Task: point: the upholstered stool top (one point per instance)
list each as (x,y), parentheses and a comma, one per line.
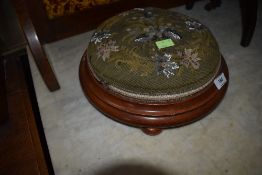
(153,54)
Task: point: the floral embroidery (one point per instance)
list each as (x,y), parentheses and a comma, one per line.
(190,58)
(134,18)
(124,13)
(153,34)
(144,15)
(99,36)
(137,58)
(139,9)
(193,25)
(128,29)
(148,14)
(104,49)
(164,65)
(58,8)
(172,34)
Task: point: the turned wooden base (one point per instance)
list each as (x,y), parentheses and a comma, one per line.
(152,131)
(155,116)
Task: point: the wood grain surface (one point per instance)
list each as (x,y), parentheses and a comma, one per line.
(21,142)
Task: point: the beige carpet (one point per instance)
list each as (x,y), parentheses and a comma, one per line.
(228,141)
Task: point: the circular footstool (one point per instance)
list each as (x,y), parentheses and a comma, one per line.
(153,69)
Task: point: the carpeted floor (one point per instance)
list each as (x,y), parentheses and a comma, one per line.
(228,141)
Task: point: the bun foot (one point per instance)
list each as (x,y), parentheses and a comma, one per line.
(152,131)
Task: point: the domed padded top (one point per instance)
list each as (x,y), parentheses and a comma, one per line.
(153,54)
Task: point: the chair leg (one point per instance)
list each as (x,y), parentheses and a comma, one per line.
(213,4)
(37,50)
(41,59)
(249,18)
(190,4)
(209,6)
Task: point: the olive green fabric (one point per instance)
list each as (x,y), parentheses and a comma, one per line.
(123,54)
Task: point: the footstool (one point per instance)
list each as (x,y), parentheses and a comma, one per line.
(153,69)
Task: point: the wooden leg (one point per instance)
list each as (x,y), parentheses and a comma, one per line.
(152,131)
(190,4)
(41,59)
(213,4)
(249,18)
(37,50)
(209,6)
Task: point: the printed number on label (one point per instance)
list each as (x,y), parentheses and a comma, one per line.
(220,81)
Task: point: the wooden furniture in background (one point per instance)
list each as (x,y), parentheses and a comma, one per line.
(11,36)
(3,101)
(249,18)
(248,14)
(23,149)
(39,29)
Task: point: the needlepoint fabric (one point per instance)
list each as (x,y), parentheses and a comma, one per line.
(153,54)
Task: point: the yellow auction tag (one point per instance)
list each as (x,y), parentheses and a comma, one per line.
(164,43)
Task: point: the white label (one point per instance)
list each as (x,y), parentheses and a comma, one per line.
(220,81)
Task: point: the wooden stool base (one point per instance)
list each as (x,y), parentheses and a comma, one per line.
(155,116)
(152,131)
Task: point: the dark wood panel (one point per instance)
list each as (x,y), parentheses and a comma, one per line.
(21,149)
(3,102)
(11,35)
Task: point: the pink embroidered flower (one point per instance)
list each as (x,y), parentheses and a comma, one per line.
(104,49)
(190,58)
(99,36)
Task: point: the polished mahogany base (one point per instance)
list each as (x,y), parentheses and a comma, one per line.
(155,116)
